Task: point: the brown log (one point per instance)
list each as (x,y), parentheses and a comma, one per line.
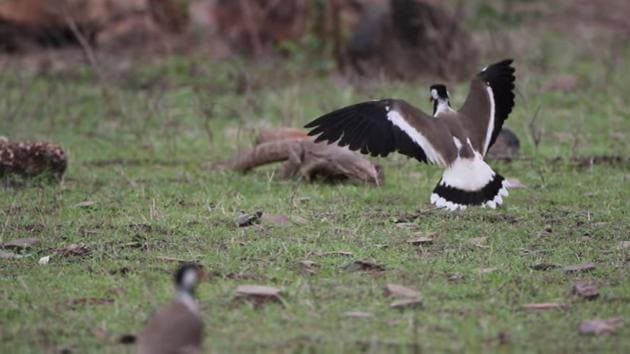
(262,154)
(307,159)
(280,134)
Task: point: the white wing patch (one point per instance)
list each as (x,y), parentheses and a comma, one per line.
(458,143)
(432,154)
(490,121)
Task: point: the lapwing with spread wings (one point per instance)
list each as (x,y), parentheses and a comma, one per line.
(457,141)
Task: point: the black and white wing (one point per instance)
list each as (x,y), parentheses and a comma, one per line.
(489,102)
(381,127)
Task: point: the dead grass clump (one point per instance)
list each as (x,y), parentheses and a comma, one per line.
(31,159)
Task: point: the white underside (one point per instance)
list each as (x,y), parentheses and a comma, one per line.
(442,107)
(468,174)
(432,155)
(188,301)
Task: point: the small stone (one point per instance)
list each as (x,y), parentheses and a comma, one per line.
(600,327)
(406,303)
(44,260)
(585,290)
(357,314)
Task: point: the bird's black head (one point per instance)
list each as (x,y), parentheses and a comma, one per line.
(187,276)
(438,92)
(439,97)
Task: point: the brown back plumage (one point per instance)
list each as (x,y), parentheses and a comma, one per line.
(174,329)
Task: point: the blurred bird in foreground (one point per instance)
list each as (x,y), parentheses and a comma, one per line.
(178,327)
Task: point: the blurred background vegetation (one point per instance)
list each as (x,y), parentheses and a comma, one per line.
(126,55)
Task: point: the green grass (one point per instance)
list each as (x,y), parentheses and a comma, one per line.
(141,158)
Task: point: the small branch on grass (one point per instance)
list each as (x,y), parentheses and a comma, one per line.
(88,51)
(534,131)
(90,54)
(535,134)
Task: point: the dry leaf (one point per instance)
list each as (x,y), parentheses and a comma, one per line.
(90,301)
(399,291)
(543,266)
(73,250)
(624,245)
(513,183)
(298,220)
(405,303)
(584,267)
(588,291)
(405,297)
(336,253)
(480,242)
(244,220)
(307,263)
(281,220)
(421,240)
(600,327)
(258,293)
(21,243)
(455,277)
(357,314)
(172,259)
(307,266)
(483,271)
(544,306)
(365,266)
(85,204)
(407,225)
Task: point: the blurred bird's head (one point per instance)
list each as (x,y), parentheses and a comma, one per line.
(187,277)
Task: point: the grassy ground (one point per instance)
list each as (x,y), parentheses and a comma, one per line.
(139,154)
